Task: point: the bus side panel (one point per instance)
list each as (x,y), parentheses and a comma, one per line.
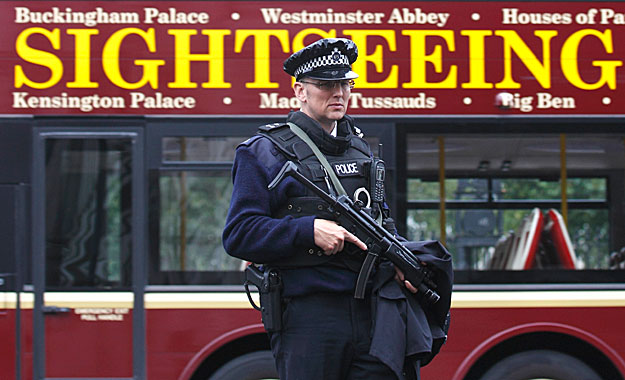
(469,341)
(7,332)
(8,352)
(176,336)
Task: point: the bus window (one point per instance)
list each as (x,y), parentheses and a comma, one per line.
(190,196)
(192,209)
(504,208)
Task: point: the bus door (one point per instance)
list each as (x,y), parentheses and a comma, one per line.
(88,241)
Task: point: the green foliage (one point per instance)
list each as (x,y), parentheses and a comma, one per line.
(196,223)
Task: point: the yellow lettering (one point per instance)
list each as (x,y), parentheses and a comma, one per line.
(512,41)
(569,59)
(82,62)
(215,58)
(477,59)
(262,38)
(298,39)
(110,59)
(419,58)
(359,36)
(38,57)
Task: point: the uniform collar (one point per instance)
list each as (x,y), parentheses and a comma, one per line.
(324,141)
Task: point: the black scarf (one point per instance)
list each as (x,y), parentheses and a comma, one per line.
(325,141)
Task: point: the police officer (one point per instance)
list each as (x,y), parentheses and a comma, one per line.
(326,332)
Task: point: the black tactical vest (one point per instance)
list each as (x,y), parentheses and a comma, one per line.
(352,167)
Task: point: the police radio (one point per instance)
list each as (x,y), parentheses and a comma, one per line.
(376,177)
(378,172)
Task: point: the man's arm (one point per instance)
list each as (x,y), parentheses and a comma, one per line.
(251,233)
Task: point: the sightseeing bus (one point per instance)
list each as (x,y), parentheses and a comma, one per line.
(501,124)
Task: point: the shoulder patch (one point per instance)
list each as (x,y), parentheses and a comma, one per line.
(272,126)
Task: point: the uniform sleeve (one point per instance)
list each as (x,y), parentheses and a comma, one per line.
(251,233)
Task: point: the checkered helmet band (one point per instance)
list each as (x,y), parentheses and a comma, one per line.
(336,58)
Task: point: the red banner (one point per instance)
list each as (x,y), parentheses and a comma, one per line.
(225,58)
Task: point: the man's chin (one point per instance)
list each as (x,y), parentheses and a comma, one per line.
(336,115)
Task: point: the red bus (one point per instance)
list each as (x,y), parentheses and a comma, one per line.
(501,126)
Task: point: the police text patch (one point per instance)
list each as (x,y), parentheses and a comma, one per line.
(345,169)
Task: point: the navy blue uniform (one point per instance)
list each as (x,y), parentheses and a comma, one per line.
(326,332)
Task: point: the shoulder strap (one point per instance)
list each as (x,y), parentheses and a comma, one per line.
(322,159)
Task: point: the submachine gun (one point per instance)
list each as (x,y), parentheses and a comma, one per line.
(381,243)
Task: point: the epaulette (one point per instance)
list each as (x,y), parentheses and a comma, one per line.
(359,143)
(281,136)
(272,126)
(352,126)
(357,131)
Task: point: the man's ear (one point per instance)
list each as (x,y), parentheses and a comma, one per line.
(300,92)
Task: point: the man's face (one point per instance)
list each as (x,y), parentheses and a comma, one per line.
(324,101)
